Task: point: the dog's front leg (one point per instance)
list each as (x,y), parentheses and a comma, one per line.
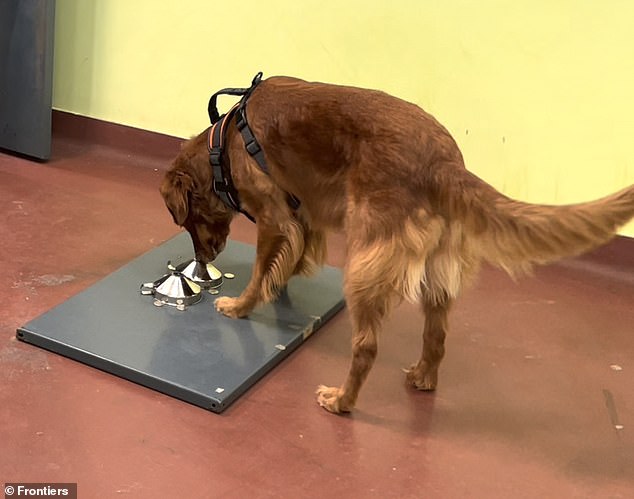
(279,249)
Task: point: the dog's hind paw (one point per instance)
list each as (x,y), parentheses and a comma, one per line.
(425,381)
(330,399)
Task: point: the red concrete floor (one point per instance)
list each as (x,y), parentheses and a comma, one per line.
(528,403)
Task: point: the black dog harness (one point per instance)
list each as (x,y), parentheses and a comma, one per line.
(223,184)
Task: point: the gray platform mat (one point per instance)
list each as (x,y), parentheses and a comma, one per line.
(196,355)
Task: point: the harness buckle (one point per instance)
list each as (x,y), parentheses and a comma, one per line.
(241,120)
(253,147)
(214,157)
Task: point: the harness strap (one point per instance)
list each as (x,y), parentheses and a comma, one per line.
(253,147)
(223,184)
(250,142)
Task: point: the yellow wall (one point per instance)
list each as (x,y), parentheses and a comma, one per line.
(539,94)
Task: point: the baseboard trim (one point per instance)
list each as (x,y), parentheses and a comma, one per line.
(132,140)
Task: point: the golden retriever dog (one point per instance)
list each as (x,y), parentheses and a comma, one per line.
(417,223)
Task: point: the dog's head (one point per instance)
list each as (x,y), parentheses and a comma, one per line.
(188,195)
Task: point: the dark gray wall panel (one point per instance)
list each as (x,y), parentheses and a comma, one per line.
(26,68)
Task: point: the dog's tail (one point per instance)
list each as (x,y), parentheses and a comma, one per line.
(515,235)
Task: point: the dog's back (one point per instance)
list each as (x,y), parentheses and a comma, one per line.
(344,146)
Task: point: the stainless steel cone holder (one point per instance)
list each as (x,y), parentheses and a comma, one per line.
(182,286)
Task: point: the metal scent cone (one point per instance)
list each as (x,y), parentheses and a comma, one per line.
(205,275)
(173,289)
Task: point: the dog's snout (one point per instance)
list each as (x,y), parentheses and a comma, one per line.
(206,256)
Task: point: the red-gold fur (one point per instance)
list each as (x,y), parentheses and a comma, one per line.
(417,222)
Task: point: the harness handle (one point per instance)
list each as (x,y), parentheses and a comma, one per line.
(212,107)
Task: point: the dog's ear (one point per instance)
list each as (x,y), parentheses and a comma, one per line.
(175,190)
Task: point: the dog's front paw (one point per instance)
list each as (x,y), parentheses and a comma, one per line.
(231,307)
(331,399)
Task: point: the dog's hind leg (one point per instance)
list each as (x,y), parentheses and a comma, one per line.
(369,294)
(424,374)
(448,269)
